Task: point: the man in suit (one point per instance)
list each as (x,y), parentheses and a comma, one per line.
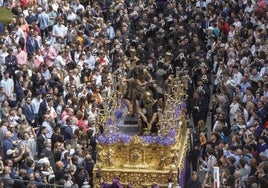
(11,62)
(205,23)
(7,144)
(66,129)
(43,107)
(197,108)
(194,148)
(31,44)
(29,112)
(41,141)
(48,153)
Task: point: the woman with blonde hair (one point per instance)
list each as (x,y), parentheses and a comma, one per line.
(201,126)
(203,142)
(57,151)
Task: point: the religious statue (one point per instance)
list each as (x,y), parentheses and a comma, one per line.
(135,89)
(148,112)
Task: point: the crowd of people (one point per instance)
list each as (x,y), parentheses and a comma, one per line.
(58,60)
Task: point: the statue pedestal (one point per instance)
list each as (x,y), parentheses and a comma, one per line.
(131,120)
(129,125)
(128,129)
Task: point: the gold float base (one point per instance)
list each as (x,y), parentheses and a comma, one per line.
(140,165)
(138,178)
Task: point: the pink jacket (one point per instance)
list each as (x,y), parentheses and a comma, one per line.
(49,55)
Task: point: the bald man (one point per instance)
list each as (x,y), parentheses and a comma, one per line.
(7,144)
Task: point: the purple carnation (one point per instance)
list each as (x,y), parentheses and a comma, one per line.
(109,121)
(118,113)
(102,138)
(172,133)
(124,138)
(184,105)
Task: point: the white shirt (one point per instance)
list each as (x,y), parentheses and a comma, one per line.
(55,6)
(59,30)
(218,76)
(19,32)
(209,164)
(231,34)
(2,60)
(237,24)
(8,85)
(201,4)
(237,77)
(36,104)
(263,71)
(60,62)
(49,129)
(249,9)
(53,112)
(38,38)
(71,17)
(98,79)
(233,108)
(111,33)
(76,7)
(91,62)
(77,80)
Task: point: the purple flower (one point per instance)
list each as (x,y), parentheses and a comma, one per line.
(166,140)
(109,121)
(150,139)
(172,133)
(118,113)
(114,137)
(184,105)
(102,138)
(124,138)
(177,110)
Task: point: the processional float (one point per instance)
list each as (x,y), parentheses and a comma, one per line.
(140,161)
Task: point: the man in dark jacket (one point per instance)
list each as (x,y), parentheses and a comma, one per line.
(11,62)
(41,140)
(66,129)
(194,182)
(197,108)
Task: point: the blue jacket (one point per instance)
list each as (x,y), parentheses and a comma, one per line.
(11,63)
(7,144)
(28,112)
(31,46)
(67,132)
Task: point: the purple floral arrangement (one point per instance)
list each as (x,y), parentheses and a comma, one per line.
(161,140)
(112,136)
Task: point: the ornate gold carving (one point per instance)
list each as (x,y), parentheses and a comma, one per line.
(141,163)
